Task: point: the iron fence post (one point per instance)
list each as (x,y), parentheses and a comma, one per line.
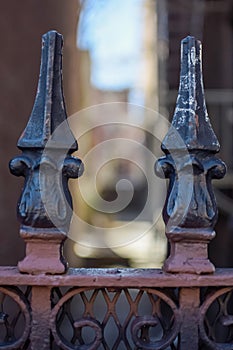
(189,302)
(45,205)
(190,210)
(41,308)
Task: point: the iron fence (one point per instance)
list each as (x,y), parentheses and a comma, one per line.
(187,305)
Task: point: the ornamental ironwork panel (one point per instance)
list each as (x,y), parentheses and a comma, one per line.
(108,318)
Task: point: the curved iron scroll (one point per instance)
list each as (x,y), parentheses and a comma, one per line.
(15,319)
(115,316)
(216,320)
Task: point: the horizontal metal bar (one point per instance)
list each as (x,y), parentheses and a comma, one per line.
(129,278)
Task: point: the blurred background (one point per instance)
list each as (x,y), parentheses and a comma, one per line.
(122,57)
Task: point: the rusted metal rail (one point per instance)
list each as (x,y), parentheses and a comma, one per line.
(186,306)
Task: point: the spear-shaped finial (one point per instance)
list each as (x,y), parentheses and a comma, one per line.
(49,107)
(190,210)
(45,205)
(191,119)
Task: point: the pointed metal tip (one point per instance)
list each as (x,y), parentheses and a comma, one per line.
(188,38)
(52,40)
(49,107)
(51,35)
(52,32)
(191,47)
(190,119)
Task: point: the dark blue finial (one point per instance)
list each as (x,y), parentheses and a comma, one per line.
(45,206)
(190,210)
(49,107)
(47,143)
(191,119)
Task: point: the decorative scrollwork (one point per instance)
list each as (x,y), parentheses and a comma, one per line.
(94,325)
(216,320)
(115,316)
(47,144)
(15,319)
(167,325)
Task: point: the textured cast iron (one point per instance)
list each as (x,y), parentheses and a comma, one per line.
(190,210)
(45,205)
(117,308)
(192,124)
(117,317)
(47,144)
(131,312)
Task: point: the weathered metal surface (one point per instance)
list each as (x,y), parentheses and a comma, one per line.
(97,308)
(41,309)
(189,302)
(91,318)
(45,206)
(150,278)
(117,308)
(190,211)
